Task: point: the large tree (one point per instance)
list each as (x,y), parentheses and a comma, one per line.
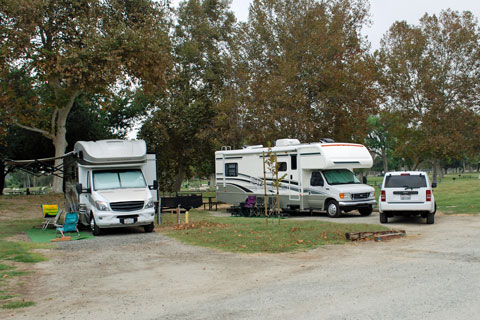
(430,77)
(182,129)
(311,75)
(69,48)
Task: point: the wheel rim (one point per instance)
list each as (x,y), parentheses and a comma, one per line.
(332,209)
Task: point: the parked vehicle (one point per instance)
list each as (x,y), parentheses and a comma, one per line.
(315,176)
(112,183)
(407,193)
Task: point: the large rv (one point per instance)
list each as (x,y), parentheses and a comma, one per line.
(315,176)
(112,183)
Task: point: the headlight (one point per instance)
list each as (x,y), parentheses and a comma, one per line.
(102,205)
(149,204)
(372,194)
(345,196)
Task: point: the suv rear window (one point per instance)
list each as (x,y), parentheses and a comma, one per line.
(410,181)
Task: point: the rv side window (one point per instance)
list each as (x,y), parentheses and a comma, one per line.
(282,166)
(293,159)
(88,180)
(316,179)
(231,169)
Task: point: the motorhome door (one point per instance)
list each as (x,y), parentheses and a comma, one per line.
(293,181)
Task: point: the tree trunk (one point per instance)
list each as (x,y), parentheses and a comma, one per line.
(3,173)
(60,144)
(435,173)
(385,161)
(179,179)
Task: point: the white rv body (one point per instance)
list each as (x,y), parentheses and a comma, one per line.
(115,177)
(239,173)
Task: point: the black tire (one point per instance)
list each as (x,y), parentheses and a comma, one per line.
(430,218)
(149,227)
(333,209)
(383,217)
(96,231)
(365,211)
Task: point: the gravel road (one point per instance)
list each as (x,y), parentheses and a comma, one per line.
(434,273)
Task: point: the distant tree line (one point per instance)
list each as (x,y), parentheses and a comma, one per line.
(198,79)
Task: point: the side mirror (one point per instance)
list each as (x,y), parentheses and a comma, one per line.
(434,185)
(364,180)
(154,186)
(79,188)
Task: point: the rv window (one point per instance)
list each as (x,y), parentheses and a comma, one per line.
(282,166)
(117,179)
(316,179)
(340,176)
(293,159)
(88,180)
(231,169)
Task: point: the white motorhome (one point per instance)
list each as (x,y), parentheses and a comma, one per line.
(316,176)
(112,183)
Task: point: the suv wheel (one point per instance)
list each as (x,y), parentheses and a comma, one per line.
(430,218)
(333,210)
(383,217)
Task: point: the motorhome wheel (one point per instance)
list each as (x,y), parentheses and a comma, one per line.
(333,210)
(149,227)
(96,231)
(365,211)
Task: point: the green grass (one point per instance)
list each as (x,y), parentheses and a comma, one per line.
(17,304)
(251,235)
(12,252)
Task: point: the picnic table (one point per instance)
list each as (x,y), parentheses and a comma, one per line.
(210,204)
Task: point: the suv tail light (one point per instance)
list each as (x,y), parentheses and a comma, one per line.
(429,195)
(383,196)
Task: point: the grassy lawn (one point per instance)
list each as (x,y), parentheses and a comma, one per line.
(18,214)
(249,235)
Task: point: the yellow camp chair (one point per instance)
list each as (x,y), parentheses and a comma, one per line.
(51,214)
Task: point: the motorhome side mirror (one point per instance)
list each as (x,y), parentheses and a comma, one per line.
(434,185)
(154,186)
(79,188)
(364,180)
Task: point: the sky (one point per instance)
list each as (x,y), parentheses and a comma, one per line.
(385,12)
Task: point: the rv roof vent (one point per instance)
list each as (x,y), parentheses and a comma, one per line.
(286,142)
(225,148)
(327,140)
(257,146)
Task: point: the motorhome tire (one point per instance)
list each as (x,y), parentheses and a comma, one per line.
(365,211)
(96,231)
(149,227)
(383,217)
(333,209)
(430,218)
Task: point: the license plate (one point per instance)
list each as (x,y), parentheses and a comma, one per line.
(128,221)
(405,197)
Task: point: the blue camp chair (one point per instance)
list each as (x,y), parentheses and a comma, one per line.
(69,225)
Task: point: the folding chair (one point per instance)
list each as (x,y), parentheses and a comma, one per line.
(69,224)
(51,214)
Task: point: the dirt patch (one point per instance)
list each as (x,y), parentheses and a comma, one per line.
(128,274)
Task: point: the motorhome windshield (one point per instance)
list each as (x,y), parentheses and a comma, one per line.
(340,176)
(118,179)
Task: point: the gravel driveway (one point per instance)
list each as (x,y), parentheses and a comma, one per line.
(434,273)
